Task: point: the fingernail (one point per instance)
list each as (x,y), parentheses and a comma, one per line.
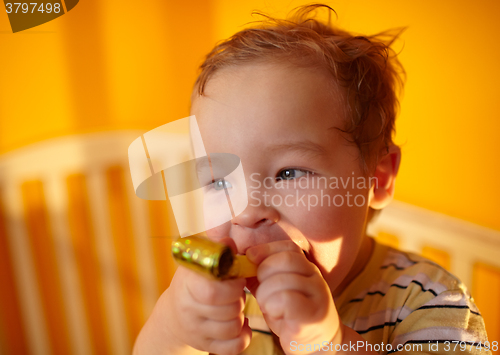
(251,253)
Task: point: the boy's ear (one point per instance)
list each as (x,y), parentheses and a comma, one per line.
(382,190)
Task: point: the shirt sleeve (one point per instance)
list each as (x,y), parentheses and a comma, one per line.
(449,323)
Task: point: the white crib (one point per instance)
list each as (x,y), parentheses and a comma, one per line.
(84,256)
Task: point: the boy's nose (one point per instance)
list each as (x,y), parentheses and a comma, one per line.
(255,225)
(254,217)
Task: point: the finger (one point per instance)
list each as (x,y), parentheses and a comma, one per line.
(259,252)
(232,346)
(214,292)
(224,330)
(285,282)
(286,305)
(285,262)
(222,313)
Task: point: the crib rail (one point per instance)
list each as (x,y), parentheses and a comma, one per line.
(83,260)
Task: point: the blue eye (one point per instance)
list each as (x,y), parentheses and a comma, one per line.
(219,184)
(290,174)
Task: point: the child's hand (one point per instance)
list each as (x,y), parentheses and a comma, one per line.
(295,299)
(198,313)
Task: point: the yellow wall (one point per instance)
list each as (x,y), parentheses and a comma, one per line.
(105,65)
(116,65)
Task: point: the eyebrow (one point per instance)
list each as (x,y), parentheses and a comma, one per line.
(305,147)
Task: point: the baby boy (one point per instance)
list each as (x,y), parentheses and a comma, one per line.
(310,111)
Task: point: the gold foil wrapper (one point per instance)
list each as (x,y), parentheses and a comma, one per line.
(211,259)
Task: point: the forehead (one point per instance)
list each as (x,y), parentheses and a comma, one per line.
(255,104)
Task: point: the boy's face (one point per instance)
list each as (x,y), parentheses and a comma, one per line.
(280,120)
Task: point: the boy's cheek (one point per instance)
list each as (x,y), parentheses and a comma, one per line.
(326,222)
(325,255)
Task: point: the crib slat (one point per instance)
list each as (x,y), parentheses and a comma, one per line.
(163,228)
(85,251)
(126,259)
(113,295)
(42,243)
(486,292)
(14,338)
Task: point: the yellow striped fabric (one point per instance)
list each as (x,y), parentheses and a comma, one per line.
(399,303)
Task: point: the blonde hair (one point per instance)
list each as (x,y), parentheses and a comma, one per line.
(365,66)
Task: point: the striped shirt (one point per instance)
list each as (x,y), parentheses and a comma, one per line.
(399,303)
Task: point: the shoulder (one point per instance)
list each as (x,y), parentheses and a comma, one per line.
(412,299)
(401,278)
(416,275)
